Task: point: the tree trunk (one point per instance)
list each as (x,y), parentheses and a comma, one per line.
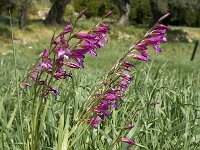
(125,11)
(22,17)
(56,13)
(158,8)
(155,10)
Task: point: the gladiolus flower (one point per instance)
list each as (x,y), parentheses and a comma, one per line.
(161,26)
(85,36)
(26,84)
(46,62)
(72,65)
(138,57)
(129,126)
(94,121)
(129,141)
(68,28)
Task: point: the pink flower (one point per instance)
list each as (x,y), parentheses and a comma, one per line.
(141,46)
(129,141)
(62,50)
(85,36)
(94,121)
(100,30)
(53,91)
(102,108)
(46,62)
(158,32)
(61,74)
(144,53)
(125,76)
(126,65)
(26,84)
(72,65)
(154,40)
(138,57)
(123,85)
(68,28)
(109,96)
(157,48)
(161,26)
(129,126)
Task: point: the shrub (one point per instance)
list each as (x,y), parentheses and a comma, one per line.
(96,7)
(140,12)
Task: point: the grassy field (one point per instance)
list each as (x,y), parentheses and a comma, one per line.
(163,100)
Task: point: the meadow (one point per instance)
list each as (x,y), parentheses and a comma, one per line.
(162,102)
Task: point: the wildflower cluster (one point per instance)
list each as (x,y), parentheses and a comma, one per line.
(112,88)
(53,63)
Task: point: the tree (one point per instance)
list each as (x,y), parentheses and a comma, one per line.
(124,8)
(22,15)
(158,8)
(125,11)
(184,12)
(140,12)
(56,13)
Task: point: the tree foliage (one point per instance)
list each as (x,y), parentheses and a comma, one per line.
(96,7)
(184,12)
(140,12)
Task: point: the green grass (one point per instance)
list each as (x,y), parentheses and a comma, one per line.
(163,100)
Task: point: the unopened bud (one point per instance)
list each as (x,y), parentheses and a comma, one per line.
(107,15)
(163,17)
(82,13)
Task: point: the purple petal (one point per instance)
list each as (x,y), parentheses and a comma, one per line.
(157,48)
(138,57)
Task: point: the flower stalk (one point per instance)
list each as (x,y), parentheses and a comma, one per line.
(52,65)
(114,85)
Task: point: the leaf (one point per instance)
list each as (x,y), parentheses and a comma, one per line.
(60,132)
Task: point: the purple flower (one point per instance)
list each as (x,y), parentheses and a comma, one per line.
(144,53)
(87,44)
(68,28)
(141,46)
(158,32)
(46,62)
(52,91)
(34,72)
(94,121)
(54,41)
(61,74)
(123,85)
(129,141)
(62,54)
(161,26)
(26,84)
(85,36)
(157,48)
(129,126)
(100,30)
(102,108)
(72,65)
(78,56)
(126,65)
(154,40)
(59,62)
(103,37)
(109,96)
(125,76)
(62,50)
(138,57)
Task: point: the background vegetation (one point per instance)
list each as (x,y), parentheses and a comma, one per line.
(163,100)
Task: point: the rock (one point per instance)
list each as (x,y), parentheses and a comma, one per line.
(124,36)
(42,14)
